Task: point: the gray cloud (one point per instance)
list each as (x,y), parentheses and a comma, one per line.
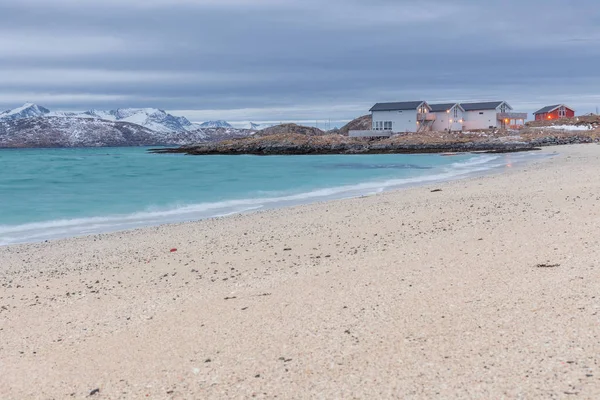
(298,59)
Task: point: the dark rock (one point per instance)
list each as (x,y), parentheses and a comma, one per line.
(547,265)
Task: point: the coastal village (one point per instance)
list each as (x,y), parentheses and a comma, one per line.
(420,116)
(420,127)
(414,122)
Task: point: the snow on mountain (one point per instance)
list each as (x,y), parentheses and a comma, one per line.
(216,124)
(63,114)
(34,126)
(151,118)
(27,110)
(75,131)
(55,131)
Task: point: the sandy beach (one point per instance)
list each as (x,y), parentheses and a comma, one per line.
(487,289)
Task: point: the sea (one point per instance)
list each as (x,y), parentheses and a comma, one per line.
(55,193)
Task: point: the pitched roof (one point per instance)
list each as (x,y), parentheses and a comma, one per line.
(548,109)
(404,105)
(442,107)
(487,105)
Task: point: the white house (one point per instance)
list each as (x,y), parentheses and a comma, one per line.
(449,117)
(408,116)
(491,114)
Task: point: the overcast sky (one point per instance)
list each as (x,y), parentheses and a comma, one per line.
(296,60)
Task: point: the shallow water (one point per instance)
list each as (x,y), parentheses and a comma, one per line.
(52,193)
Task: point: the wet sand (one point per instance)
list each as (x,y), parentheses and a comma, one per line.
(489,288)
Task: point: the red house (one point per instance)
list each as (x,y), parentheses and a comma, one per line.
(554,112)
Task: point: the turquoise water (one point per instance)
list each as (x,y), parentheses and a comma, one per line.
(52,193)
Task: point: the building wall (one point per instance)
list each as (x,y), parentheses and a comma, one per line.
(442,121)
(481,119)
(402,121)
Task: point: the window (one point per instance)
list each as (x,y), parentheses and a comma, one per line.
(562,112)
(455,112)
(382,125)
(481,113)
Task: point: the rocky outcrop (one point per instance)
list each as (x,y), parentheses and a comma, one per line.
(363,123)
(295,144)
(286,129)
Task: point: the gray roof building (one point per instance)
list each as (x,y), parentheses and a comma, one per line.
(443,107)
(548,109)
(486,105)
(399,106)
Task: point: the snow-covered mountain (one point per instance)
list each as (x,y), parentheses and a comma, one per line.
(52,131)
(151,118)
(75,131)
(35,126)
(215,124)
(27,110)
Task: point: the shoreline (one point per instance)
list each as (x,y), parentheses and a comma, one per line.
(88,226)
(487,289)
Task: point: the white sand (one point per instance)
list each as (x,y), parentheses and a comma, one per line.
(410,294)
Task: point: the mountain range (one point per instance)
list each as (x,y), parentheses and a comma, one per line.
(34,126)
(215,124)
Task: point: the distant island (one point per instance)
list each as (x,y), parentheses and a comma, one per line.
(291,139)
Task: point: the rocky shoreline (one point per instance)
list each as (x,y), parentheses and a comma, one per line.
(291,139)
(368,148)
(409,149)
(339,145)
